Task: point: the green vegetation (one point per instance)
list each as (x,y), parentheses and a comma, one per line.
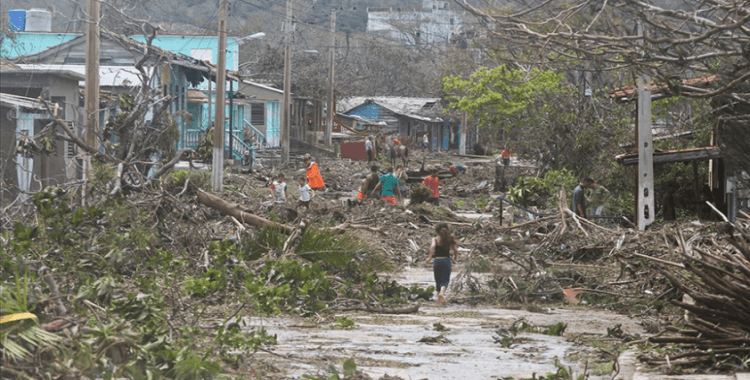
(542,192)
(140,299)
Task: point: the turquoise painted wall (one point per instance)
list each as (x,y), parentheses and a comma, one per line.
(33,42)
(367,111)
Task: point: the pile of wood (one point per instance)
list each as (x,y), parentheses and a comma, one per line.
(716,281)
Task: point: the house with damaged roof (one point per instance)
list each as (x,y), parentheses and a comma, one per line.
(407,117)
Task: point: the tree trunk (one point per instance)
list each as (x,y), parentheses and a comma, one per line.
(233,209)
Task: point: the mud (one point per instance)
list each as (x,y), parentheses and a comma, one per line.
(384,344)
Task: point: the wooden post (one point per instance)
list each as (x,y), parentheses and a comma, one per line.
(231,120)
(210,119)
(331,113)
(285,112)
(462,136)
(217,167)
(646,212)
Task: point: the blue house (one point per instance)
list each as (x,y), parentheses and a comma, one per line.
(197,50)
(409,118)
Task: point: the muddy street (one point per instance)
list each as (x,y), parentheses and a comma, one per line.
(391,344)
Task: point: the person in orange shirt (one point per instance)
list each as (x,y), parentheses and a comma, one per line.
(433,182)
(313,174)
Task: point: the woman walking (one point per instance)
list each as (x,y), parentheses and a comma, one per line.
(441,265)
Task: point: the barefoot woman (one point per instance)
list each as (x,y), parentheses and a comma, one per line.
(441,267)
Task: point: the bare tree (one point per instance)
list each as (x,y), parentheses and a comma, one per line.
(689,39)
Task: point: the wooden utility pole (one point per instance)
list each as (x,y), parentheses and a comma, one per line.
(92,74)
(462,134)
(331,112)
(286,111)
(217,167)
(210,119)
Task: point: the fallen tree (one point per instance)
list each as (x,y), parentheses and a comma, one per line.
(716,282)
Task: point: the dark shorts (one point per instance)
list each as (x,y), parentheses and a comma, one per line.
(435,201)
(441,268)
(506,161)
(303,203)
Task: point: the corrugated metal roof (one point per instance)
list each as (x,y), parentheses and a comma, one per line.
(9,100)
(624,93)
(400,105)
(109,76)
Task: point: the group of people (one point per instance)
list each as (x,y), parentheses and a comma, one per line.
(588,192)
(391,187)
(307,185)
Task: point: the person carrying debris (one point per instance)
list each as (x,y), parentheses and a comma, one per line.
(369,183)
(433,182)
(506,156)
(305,192)
(369,150)
(313,174)
(456,169)
(389,184)
(579,199)
(598,198)
(401,176)
(278,189)
(440,249)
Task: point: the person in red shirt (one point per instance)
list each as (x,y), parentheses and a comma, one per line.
(506,156)
(433,182)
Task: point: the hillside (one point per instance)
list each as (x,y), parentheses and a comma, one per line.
(184,15)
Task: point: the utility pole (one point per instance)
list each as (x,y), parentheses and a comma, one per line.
(92,73)
(91,92)
(644,178)
(331,113)
(217,167)
(286,111)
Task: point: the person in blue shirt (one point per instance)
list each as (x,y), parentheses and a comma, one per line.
(389,184)
(579,198)
(456,169)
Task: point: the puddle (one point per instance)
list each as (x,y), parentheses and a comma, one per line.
(393,348)
(389,344)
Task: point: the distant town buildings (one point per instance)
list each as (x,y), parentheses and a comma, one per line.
(434,23)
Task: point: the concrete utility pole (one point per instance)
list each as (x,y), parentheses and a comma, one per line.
(92,74)
(286,111)
(646,212)
(217,167)
(331,113)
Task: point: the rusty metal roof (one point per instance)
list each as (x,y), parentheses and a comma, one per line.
(628,92)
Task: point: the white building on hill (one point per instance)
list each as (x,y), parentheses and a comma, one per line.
(434,23)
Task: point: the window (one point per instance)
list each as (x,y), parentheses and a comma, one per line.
(257,114)
(452,21)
